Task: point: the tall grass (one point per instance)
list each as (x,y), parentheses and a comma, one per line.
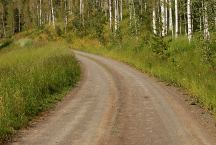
(181,66)
(31,79)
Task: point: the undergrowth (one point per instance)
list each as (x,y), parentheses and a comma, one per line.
(32,78)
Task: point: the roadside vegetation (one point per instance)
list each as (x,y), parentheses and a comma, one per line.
(34,75)
(178,62)
(172,40)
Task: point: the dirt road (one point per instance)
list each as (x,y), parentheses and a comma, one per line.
(117,105)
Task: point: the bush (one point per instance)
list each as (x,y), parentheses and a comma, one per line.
(159,47)
(209,52)
(26,42)
(5,43)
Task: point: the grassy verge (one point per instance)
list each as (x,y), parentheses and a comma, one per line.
(32,79)
(181,66)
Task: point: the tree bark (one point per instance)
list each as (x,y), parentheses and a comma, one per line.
(110,14)
(206,23)
(52,13)
(189,21)
(170,17)
(135,19)
(116,14)
(176,19)
(40,13)
(82,11)
(163,19)
(154,21)
(121,10)
(166,16)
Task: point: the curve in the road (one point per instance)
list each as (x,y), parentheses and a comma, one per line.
(117,105)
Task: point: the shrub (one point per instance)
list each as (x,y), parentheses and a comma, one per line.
(5,43)
(25,42)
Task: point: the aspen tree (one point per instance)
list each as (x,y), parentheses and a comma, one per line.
(170,17)
(176,19)
(154,21)
(200,18)
(173,16)
(130,13)
(81,8)
(110,13)
(206,25)
(40,13)
(52,13)
(163,19)
(121,10)
(116,14)
(82,11)
(166,16)
(141,6)
(189,21)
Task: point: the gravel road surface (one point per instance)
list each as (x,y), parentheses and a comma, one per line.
(115,104)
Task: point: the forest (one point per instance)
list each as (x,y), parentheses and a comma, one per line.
(161,17)
(173,40)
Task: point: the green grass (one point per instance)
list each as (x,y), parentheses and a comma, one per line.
(182,65)
(32,79)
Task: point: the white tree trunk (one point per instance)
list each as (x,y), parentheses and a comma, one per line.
(154,21)
(176,19)
(189,21)
(121,11)
(145,6)
(40,13)
(170,17)
(130,12)
(81,7)
(206,25)
(82,11)
(166,17)
(110,13)
(200,20)
(163,19)
(134,18)
(116,14)
(141,6)
(52,13)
